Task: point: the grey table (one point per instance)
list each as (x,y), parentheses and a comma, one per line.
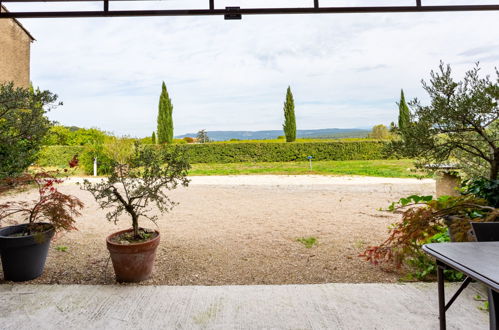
(478,261)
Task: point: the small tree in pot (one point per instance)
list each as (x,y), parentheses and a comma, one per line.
(130,188)
(24,247)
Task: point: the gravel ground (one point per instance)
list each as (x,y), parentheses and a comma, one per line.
(244,230)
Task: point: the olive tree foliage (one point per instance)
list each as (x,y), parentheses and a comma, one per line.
(23,125)
(460,125)
(141,181)
(119,150)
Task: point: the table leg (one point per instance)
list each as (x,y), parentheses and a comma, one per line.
(493,309)
(441,296)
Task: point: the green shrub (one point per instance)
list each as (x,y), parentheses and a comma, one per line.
(483,188)
(228,153)
(58,155)
(23,125)
(104,162)
(73,136)
(300,140)
(283,152)
(422,267)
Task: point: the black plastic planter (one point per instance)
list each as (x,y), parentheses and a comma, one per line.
(23,258)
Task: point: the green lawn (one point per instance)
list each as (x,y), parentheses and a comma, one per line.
(400,168)
(394,168)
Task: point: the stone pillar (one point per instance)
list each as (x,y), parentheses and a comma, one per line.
(447,184)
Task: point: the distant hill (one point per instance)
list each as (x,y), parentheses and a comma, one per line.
(325,133)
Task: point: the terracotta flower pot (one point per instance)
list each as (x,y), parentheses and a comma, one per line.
(132,262)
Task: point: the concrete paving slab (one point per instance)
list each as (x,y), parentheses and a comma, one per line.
(321,306)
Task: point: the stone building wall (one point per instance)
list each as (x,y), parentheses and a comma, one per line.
(15,44)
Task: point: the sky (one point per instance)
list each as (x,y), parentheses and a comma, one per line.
(345,70)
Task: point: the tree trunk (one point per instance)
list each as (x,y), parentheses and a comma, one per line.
(135,225)
(494,169)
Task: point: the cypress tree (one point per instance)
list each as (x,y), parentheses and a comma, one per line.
(153,137)
(404,114)
(289,125)
(165,120)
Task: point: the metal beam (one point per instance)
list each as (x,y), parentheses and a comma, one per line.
(245,11)
(69,1)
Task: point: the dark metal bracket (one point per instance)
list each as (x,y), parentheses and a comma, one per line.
(235,12)
(232,13)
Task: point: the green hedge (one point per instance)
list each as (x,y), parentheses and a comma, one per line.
(240,152)
(58,155)
(283,152)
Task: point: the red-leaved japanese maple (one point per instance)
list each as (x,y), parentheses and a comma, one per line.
(50,206)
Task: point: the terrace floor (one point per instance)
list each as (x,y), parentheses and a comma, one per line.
(319,306)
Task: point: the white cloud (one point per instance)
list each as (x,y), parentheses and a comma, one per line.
(344,70)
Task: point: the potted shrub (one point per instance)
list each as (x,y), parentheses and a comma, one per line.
(428,220)
(136,181)
(24,247)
